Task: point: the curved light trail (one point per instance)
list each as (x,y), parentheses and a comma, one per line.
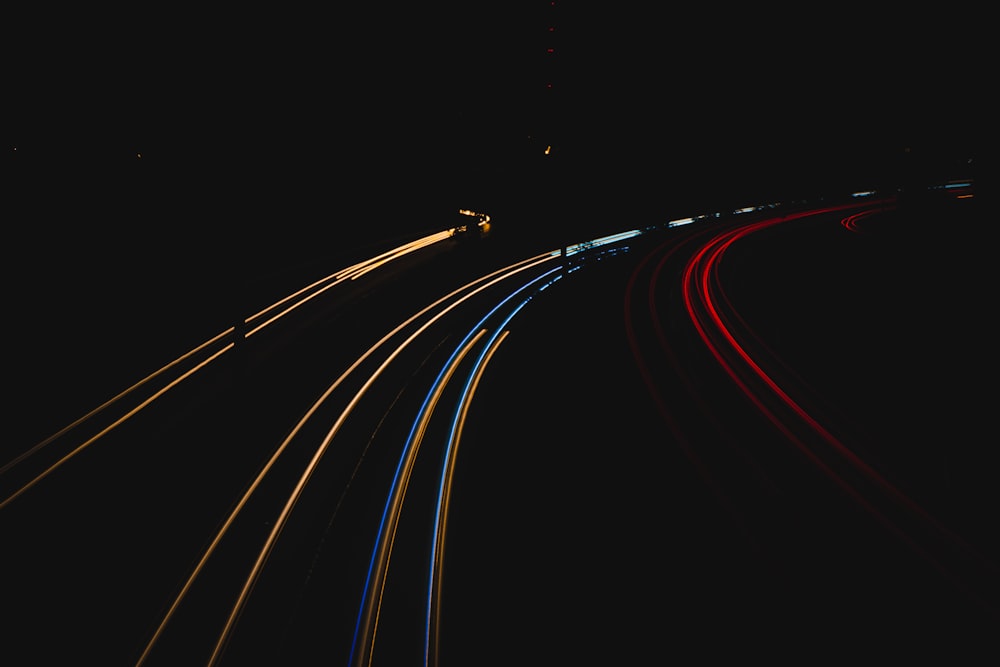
(215,347)
(491,305)
(368,615)
(444,498)
(447,470)
(705,301)
(118,422)
(455,298)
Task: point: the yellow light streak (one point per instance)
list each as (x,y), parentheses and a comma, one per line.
(364,267)
(502,274)
(268,545)
(372,265)
(113,425)
(385,548)
(437,566)
(110,402)
(350,273)
(380,259)
(297,304)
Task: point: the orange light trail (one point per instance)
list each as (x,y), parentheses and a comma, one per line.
(496,277)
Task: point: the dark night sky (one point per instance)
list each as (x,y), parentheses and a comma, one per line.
(321,112)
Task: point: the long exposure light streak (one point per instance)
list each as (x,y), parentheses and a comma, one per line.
(440,512)
(444,498)
(401,481)
(496,276)
(667,250)
(115,399)
(359,270)
(348,273)
(374,583)
(604,240)
(48,471)
(700,290)
(850,223)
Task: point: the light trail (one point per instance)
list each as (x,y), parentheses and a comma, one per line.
(444,498)
(378,566)
(112,401)
(52,468)
(349,273)
(598,242)
(701,286)
(359,270)
(850,223)
(667,250)
(401,482)
(444,491)
(705,265)
(496,276)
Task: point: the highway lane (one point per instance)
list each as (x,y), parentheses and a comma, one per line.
(157,471)
(306,497)
(201,464)
(785,455)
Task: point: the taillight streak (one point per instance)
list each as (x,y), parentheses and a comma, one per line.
(701,292)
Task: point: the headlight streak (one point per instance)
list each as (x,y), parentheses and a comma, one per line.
(351,273)
(444,499)
(248,321)
(400,483)
(952,185)
(447,470)
(109,428)
(113,400)
(700,291)
(362,268)
(378,566)
(496,277)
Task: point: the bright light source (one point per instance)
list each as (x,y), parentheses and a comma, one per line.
(680,221)
(604,240)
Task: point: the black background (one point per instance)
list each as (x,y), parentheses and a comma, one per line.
(257,130)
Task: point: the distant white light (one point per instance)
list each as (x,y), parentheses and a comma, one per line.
(680,221)
(604,240)
(750,209)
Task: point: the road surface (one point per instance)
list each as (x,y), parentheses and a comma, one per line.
(758,429)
